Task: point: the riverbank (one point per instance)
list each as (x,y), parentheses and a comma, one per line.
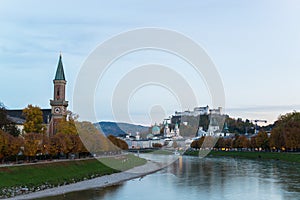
(17,180)
(278,156)
(103,181)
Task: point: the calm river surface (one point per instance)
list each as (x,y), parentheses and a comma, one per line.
(209,178)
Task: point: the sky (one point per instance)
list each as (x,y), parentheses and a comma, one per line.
(254,45)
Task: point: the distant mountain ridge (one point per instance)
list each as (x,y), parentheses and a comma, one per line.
(120,128)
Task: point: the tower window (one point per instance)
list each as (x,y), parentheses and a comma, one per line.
(57,93)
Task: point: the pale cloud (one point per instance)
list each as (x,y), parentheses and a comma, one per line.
(255,45)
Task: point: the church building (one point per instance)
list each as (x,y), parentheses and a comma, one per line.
(58,104)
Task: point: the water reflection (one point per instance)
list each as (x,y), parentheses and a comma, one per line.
(93,194)
(209,178)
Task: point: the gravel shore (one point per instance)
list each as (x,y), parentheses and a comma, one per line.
(103,181)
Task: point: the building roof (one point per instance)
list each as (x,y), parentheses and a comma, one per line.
(60,75)
(155,130)
(17,116)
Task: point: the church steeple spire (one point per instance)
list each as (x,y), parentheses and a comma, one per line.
(60,75)
(58,103)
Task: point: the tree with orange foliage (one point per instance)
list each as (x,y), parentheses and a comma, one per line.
(220,143)
(53,145)
(253,144)
(241,141)
(118,142)
(286,132)
(94,140)
(9,145)
(262,140)
(3,145)
(33,144)
(196,144)
(67,125)
(34,120)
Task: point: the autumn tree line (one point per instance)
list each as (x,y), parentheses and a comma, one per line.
(72,138)
(284,136)
(83,138)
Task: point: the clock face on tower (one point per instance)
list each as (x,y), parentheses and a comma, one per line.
(57,109)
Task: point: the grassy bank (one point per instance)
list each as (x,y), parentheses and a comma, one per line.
(123,163)
(162,152)
(282,156)
(46,175)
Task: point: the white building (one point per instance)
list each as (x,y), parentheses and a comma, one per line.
(176,130)
(143,144)
(184,113)
(199,111)
(213,130)
(201,132)
(167,132)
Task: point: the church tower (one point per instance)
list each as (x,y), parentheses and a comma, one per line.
(58,104)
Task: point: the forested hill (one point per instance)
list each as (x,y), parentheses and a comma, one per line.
(120,129)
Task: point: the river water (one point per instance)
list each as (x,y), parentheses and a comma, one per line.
(209,178)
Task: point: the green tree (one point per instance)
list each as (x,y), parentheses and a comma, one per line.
(6,124)
(239,126)
(204,122)
(34,120)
